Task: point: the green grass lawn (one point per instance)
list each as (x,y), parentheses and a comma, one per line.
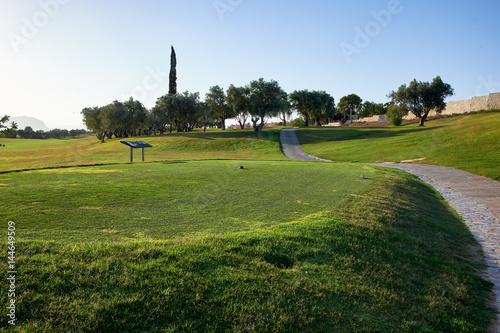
(278,246)
(187,242)
(148,201)
(470,143)
(198,145)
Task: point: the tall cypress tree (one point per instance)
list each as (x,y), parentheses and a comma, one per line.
(172,89)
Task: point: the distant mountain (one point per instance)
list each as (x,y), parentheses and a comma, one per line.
(35,124)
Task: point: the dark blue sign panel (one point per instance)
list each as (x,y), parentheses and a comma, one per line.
(136,144)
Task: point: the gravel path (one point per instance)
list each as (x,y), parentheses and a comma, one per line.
(475,198)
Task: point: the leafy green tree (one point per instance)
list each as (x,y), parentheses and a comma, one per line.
(267,100)
(206,115)
(160,115)
(321,105)
(58,133)
(136,115)
(318,105)
(349,105)
(114,120)
(76,132)
(184,111)
(93,121)
(422,97)
(216,101)
(286,111)
(7,130)
(238,98)
(369,109)
(300,102)
(191,109)
(29,133)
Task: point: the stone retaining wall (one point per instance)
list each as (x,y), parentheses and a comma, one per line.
(475,104)
(372,119)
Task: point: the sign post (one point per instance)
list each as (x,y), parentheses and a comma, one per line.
(136,144)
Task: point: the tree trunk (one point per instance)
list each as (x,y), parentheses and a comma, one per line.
(261,125)
(423,118)
(307,120)
(254,122)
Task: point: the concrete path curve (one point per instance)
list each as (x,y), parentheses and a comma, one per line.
(475,198)
(290,146)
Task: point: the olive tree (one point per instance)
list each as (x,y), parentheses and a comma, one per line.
(422,97)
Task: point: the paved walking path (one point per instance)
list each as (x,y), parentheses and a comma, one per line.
(291,147)
(475,198)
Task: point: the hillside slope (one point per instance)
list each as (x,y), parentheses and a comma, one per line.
(470,143)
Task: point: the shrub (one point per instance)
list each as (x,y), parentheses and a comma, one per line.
(298,122)
(395,113)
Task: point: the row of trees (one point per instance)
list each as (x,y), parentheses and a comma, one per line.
(29,133)
(118,119)
(418,98)
(255,103)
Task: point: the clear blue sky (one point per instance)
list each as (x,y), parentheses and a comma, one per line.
(59,56)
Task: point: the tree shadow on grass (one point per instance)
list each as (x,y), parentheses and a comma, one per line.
(268,135)
(348,134)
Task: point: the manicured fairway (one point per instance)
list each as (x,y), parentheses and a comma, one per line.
(172,199)
(198,145)
(187,242)
(204,247)
(470,143)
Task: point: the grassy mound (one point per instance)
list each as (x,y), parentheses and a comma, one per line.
(198,145)
(389,256)
(167,200)
(192,243)
(470,143)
